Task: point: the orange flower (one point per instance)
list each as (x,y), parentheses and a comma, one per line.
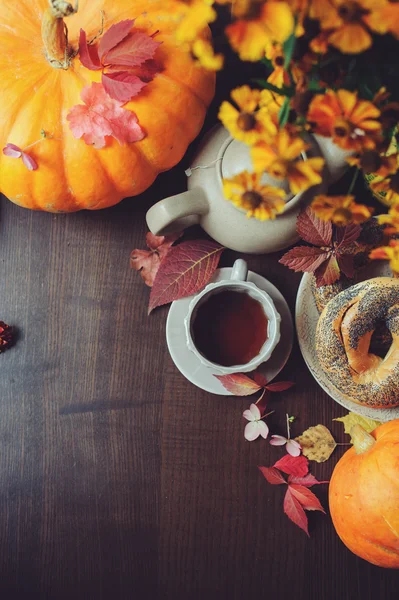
(261,201)
(248,123)
(373,162)
(390,253)
(341,210)
(264,22)
(391,219)
(352,123)
(388,186)
(282,158)
(349,23)
(279,77)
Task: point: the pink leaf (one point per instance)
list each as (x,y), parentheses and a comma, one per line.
(272,475)
(347,235)
(304,258)
(148,261)
(133,51)
(29,162)
(314,230)
(296,466)
(308,480)
(88,54)
(102,116)
(122,86)
(189,267)
(115,34)
(294,511)
(238,384)
(260,380)
(12,151)
(147,70)
(279,386)
(307,498)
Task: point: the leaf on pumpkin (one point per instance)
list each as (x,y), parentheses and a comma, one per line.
(313,230)
(101,116)
(148,261)
(293,465)
(352,419)
(272,475)
(122,85)
(308,480)
(188,269)
(317,443)
(238,384)
(114,35)
(294,511)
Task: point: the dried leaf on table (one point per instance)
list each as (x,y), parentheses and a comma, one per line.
(188,269)
(313,230)
(294,511)
(317,443)
(293,465)
(238,384)
(272,475)
(307,498)
(148,261)
(352,419)
(308,480)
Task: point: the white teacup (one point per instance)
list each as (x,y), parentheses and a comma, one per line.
(237,282)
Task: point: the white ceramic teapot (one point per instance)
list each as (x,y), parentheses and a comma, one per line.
(220,156)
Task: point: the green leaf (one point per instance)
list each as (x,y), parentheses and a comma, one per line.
(284,91)
(284,112)
(288,48)
(268,63)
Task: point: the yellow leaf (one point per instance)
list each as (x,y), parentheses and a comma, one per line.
(352,419)
(317,443)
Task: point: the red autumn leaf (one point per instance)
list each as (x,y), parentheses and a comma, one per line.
(238,384)
(272,475)
(314,230)
(294,511)
(307,481)
(293,465)
(304,258)
(148,261)
(279,386)
(307,498)
(101,116)
(328,272)
(127,57)
(260,379)
(347,235)
(189,267)
(346,264)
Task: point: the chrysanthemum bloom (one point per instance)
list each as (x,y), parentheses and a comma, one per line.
(246,191)
(388,186)
(283,158)
(372,161)
(248,123)
(391,219)
(390,253)
(352,123)
(341,210)
(279,77)
(272,102)
(202,49)
(263,22)
(350,23)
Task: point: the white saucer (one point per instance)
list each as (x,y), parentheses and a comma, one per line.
(306,317)
(203,377)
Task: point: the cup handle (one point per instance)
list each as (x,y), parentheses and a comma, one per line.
(240,270)
(177,212)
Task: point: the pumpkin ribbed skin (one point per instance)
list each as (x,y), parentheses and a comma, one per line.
(35,96)
(364,498)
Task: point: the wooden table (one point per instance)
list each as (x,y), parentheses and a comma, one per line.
(119,480)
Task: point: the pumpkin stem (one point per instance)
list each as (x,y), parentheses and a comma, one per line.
(362,441)
(55,33)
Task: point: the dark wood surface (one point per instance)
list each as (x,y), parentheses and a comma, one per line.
(119,480)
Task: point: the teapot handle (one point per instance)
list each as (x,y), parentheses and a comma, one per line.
(177,212)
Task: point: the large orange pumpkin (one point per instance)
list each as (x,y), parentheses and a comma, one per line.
(364,495)
(35,97)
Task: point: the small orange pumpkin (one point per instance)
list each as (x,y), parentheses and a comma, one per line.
(35,97)
(364,495)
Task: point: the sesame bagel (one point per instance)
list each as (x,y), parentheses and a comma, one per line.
(343,337)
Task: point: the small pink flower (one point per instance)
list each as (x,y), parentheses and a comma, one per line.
(292,447)
(256,426)
(13,151)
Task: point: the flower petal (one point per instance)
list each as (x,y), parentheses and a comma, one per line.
(29,162)
(248,415)
(252,431)
(255,411)
(293,448)
(263,429)
(278,440)
(12,151)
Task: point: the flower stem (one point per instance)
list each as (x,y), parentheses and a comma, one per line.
(354,178)
(269,413)
(288,426)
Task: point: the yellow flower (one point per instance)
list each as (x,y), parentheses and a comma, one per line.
(272,102)
(246,191)
(390,253)
(264,22)
(389,186)
(341,210)
(352,123)
(282,158)
(248,123)
(279,77)
(319,44)
(372,161)
(391,219)
(196,16)
(203,51)
(350,22)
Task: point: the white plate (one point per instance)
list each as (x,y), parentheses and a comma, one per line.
(306,317)
(203,377)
